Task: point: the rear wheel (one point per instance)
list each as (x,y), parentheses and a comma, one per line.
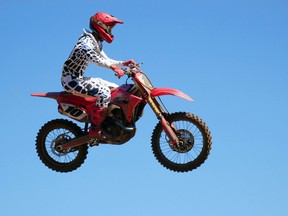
(53,134)
(194,143)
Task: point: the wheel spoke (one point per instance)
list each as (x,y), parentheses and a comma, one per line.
(193,147)
(190,131)
(59,135)
(53,134)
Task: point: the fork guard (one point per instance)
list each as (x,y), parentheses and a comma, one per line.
(169,91)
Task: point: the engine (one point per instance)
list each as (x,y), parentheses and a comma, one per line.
(116,125)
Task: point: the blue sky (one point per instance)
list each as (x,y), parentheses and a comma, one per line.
(230,56)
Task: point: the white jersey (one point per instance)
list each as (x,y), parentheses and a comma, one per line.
(88,50)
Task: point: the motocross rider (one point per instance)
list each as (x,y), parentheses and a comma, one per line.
(87,50)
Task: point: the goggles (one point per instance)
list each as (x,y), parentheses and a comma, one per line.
(108,29)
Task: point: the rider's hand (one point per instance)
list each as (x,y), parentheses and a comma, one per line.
(118,72)
(127,63)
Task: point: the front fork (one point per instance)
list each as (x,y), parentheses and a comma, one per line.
(167,127)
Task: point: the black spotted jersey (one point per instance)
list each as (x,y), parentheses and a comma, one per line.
(87,50)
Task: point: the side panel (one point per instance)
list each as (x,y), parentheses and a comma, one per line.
(125,100)
(74,112)
(169,91)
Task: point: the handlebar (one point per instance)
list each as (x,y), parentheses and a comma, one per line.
(130,69)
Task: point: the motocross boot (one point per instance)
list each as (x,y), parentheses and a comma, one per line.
(97,117)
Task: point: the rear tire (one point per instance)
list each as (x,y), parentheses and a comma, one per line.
(195,146)
(56,132)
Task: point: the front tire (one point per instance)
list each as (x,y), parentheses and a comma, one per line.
(195,143)
(57,132)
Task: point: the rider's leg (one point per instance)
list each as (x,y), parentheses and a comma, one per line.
(98,114)
(86,85)
(94,87)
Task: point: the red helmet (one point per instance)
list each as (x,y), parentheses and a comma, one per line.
(103,24)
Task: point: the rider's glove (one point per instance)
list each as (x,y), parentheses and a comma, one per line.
(127,63)
(118,72)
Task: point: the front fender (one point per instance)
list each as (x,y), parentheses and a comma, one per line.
(169,91)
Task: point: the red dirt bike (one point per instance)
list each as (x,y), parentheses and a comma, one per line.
(181,141)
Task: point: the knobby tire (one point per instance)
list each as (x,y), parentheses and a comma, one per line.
(45,145)
(197,151)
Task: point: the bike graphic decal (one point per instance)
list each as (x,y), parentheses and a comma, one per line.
(73,111)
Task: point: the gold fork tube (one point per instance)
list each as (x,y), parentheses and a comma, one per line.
(155,106)
(166,125)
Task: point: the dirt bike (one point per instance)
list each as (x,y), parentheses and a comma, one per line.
(181,141)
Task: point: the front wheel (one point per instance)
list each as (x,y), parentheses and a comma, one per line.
(53,134)
(194,143)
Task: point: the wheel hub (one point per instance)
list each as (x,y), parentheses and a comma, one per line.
(186,141)
(56,144)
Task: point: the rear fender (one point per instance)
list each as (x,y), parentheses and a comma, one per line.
(59,96)
(71,105)
(54,95)
(169,91)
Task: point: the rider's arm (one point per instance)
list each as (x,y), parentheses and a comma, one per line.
(95,56)
(113,62)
